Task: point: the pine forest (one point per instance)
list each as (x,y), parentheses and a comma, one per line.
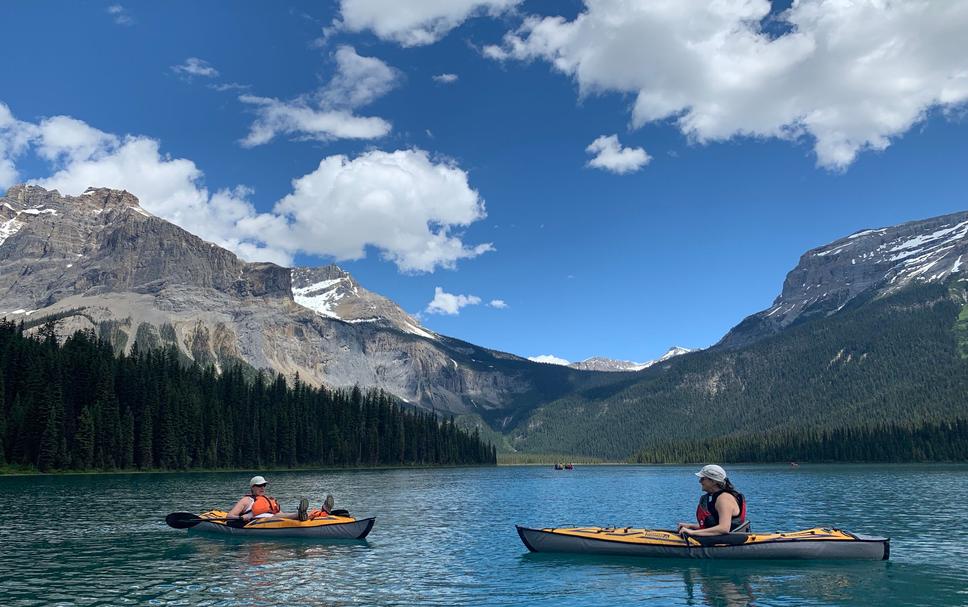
(77,405)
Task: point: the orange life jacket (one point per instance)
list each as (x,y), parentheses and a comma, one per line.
(262,504)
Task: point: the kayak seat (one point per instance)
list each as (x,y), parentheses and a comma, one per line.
(726,539)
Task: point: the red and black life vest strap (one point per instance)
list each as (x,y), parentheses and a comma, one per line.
(706,513)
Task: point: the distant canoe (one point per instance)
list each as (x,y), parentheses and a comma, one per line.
(813,544)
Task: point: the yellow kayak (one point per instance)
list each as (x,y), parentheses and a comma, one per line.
(328,527)
(817,543)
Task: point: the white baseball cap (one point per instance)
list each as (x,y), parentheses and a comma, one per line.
(713,473)
(258,480)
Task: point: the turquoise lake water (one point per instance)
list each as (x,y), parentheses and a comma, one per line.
(447,537)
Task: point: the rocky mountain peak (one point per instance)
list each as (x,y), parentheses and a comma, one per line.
(331,292)
(875,261)
(673,352)
(601,363)
(55,246)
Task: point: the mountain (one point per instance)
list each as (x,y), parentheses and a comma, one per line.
(870,262)
(99,261)
(869,336)
(600,363)
(868,333)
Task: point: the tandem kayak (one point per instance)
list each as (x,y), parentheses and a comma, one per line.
(818,543)
(328,527)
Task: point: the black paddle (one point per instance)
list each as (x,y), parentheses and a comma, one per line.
(187,520)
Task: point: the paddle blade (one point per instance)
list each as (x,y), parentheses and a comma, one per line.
(182,520)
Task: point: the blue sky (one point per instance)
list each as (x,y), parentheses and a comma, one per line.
(734,141)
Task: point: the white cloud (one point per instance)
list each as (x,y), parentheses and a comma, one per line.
(500,304)
(15,136)
(848,75)
(63,137)
(297,118)
(611,156)
(403,204)
(327,113)
(358,80)
(120,14)
(445,78)
(549,359)
(450,304)
(166,187)
(229,86)
(415,23)
(194,66)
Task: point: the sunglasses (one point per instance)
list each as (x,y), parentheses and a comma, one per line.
(262,485)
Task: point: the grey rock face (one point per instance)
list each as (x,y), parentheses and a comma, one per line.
(99,261)
(871,262)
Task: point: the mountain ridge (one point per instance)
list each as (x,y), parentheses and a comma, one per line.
(884,259)
(98,261)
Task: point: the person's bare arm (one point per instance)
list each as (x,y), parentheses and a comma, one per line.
(236,511)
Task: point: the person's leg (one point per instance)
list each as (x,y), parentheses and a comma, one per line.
(299,515)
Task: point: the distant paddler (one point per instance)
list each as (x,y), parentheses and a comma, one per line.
(721,509)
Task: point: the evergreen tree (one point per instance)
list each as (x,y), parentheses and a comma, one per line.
(83,458)
(48,452)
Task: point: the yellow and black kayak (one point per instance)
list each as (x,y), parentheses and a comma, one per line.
(818,543)
(328,527)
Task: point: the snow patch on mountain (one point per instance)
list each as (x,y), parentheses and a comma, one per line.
(333,293)
(12,225)
(320,297)
(903,256)
(549,359)
(9,228)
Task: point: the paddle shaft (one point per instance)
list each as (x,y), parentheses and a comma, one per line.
(187,520)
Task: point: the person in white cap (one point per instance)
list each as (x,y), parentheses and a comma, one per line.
(256,504)
(721,508)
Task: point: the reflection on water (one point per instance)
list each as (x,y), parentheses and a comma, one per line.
(732,583)
(446,537)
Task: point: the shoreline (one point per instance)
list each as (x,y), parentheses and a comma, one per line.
(245,470)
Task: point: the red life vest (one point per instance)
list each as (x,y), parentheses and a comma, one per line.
(262,504)
(707,516)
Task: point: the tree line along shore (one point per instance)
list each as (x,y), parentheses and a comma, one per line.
(78,406)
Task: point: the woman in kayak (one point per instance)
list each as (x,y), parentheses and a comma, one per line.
(256,504)
(721,509)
